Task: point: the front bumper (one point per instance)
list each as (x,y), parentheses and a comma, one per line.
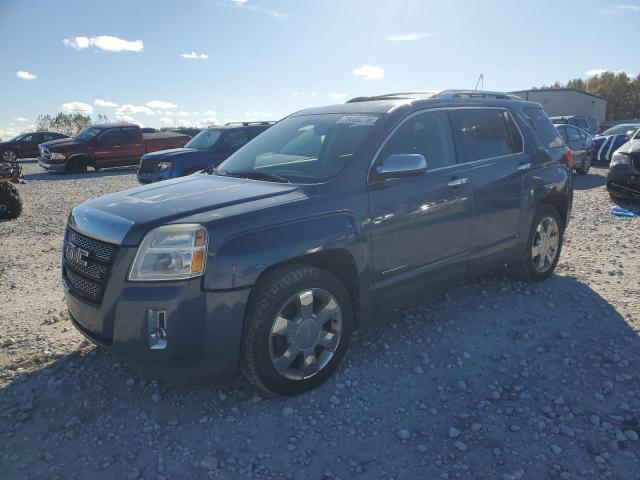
(624,181)
(157,176)
(203,328)
(51,167)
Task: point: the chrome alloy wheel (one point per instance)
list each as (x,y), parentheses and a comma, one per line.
(305,334)
(546,241)
(9,156)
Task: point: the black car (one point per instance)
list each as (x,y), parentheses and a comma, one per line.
(623,179)
(209,148)
(25,145)
(581,145)
(268,263)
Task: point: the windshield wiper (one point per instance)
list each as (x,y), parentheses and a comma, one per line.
(256,175)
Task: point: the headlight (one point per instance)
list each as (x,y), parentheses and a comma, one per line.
(620,159)
(57,156)
(164,165)
(171,252)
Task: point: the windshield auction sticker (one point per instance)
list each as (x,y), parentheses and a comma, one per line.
(358,120)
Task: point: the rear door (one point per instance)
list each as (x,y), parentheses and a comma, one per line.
(131,147)
(493,147)
(27,147)
(421,224)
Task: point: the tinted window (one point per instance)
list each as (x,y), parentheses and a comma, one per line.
(48,136)
(204,140)
(110,137)
(28,138)
(543,127)
(581,123)
(563,132)
(235,140)
(573,134)
(129,136)
(428,134)
(486,133)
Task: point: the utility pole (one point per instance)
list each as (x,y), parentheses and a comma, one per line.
(480,82)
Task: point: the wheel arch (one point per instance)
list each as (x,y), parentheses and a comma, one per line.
(78,157)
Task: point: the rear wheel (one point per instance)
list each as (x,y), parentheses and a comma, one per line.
(586,166)
(10,203)
(298,327)
(542,250)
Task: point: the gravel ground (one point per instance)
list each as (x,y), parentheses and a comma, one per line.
(496,380)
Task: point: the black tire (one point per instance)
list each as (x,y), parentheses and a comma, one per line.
(271,294)
(586,166)
(10,203)
(525,270)
(10,156)
(76,165)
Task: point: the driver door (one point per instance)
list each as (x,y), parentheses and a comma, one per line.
(108,149)
(422,224)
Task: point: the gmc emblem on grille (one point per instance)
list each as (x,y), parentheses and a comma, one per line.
(76,254)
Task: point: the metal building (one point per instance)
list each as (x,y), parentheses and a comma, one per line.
(566,101)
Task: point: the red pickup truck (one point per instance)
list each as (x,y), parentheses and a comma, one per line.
(105,146)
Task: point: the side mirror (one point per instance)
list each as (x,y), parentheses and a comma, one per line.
(402,165)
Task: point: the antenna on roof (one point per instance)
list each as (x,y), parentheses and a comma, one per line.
(480,82)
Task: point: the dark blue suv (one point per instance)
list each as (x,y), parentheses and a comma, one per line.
(266,264)
(208,148)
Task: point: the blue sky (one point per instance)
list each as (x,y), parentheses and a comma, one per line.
(264,59)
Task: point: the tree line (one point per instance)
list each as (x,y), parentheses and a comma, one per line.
(67,123)
(621,91)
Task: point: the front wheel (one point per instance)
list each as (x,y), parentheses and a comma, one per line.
(9,156)
(542,250)
(298,326)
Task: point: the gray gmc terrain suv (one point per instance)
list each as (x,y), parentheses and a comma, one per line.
(267,264)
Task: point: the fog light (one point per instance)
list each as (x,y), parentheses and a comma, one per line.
(157,328)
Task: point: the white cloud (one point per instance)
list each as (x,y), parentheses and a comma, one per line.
(207,113)
(195,56)
(77,107)
(244,4)
(169,113)
(337,96)
(629,8)
(126,118)
(22,75)
(239,2)
(104,103)
(106,43)
(183,114)
(185,123)
(205,122)
(166,121)
(160,104)
(596,71)
(254,115)
(129,109)
(409,37)
(21,119)
(369,72)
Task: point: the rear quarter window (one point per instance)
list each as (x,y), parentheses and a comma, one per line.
(542,126)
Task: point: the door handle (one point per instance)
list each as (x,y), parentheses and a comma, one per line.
(525,166)
(457,182)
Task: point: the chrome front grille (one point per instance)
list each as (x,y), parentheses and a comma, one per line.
(148,166)
(87,265)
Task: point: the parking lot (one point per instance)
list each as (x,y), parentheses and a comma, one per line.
(496,379)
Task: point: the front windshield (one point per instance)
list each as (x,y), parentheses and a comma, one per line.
(620,129)
(304,149)
(204,140)
(87,134)
(17,137)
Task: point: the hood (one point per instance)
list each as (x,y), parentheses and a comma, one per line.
(139,209)
(173,154)
(62,145)
(632,147)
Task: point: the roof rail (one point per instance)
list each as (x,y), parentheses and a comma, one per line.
(246,124)
(451,93)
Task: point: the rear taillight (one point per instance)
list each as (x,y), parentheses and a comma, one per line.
(568,155)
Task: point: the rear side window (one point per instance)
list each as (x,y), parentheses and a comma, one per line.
(573,134)
(581,123)
(428,134)
(487,133)
(543,127)
(110,137)
(234,140)
(129,136)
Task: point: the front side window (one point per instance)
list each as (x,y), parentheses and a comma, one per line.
(204,140)
(545,130)
(428,134)
(110,137)
(487,133)
(234,140)
(573,134)
(28,138)
(304,149)
(88,134)
(581,123)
